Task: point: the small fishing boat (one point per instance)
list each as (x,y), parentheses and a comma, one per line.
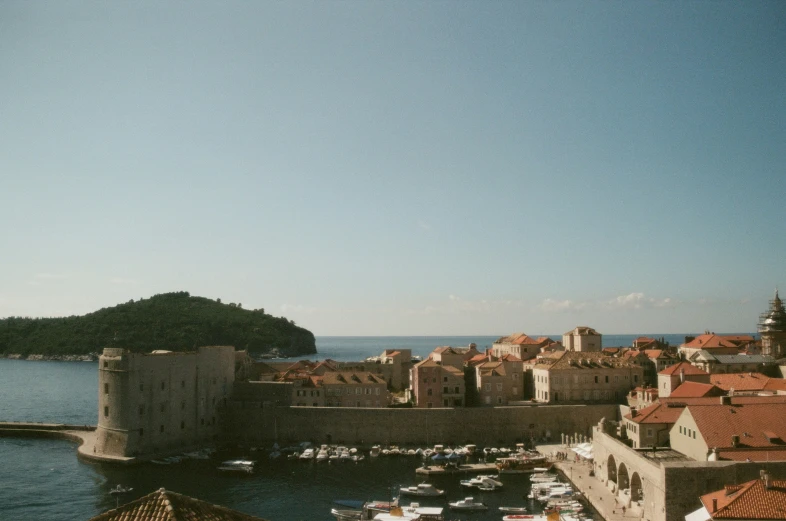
(467,503)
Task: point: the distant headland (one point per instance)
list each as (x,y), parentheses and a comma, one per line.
(173,321)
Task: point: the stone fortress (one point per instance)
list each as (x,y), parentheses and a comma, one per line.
(162,401)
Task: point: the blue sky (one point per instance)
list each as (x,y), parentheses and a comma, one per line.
(398,168)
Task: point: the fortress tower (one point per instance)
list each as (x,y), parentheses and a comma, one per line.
(161,401)
(772,328)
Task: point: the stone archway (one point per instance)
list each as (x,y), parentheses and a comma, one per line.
(624,480)
(636,488)
(611,469)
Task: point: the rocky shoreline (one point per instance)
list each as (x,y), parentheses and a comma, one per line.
(92,357)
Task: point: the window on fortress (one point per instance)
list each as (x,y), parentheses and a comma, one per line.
(428,393)
(607,378)
(445,390)
(635,378)
(182,425)
(106,411)
(596,379)
(106,364)
(106,388)
(457,389)
(444,378)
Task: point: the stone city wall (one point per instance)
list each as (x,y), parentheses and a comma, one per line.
(255,423)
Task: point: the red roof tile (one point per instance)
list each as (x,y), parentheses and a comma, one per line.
(751,500)
(718,423)
(164,505)
(709,341)
(740,381)
(657,413)
(695,390)
(688,368)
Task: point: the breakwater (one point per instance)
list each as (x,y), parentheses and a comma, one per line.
(254,424)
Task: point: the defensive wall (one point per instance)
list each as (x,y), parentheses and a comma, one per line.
(256,423)
(662,487)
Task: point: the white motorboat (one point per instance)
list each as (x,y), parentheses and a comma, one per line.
(488,487)
(413,512)
(468,503)
(322,455)
(237,465)
(513,510)
(307,454)
(374,452)
(486,481)
(422,490)
(542,477)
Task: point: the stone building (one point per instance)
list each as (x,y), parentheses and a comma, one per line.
(671,377)
(355,389)
(582,338)
(519,345)
(715,363)
(650,426)
(772,329)
(500,381)
(580,376)
(715,344)
(437,385)
(161,401)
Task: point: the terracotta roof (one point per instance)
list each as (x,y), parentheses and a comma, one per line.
(709,341)
(765,455)
(510,358)
(517,339)
(352,378)
(718,423)
(735,400)
(657,413)
(582,331)
(751,500)
(695,390)
(740,381)
(593,360)
(689,369)
(164,505)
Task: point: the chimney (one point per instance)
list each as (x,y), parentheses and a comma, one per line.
(633,413)
(682,375)
(714,504)
(766,477)
(735,440)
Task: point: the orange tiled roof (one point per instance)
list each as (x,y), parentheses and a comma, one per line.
(751,500)
(517,339)
(689,369)
(165,505)
(709,341)
(695,390)
(351,378)
(748,382)
(718,423)
(582,360)
(658,413)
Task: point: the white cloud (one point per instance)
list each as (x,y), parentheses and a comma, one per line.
(553,305)
(639,301)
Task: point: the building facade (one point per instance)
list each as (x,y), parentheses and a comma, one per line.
(587,377)
(161,401)
(582,338)
(772,328)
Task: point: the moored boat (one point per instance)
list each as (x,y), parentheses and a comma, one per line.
(237,465)
(422,490)
(468,503)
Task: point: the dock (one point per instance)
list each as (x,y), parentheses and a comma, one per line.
(467,468)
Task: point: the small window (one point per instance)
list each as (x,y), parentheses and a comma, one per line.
(106,411)
(607,378)
(596,379)
(202,421)
(182,425)
(141,410)
(429,393)
(106,388)
(106,364)
(445,390)
(444,378)
(161,429)
(141,432)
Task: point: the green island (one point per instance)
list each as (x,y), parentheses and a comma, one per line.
(171,321)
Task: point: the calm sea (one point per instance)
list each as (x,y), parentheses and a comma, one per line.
(44,480)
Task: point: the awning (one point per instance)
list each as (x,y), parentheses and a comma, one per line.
(699,515)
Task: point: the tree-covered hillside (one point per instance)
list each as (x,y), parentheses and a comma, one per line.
(173,321)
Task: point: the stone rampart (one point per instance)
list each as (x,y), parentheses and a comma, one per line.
(254,423)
